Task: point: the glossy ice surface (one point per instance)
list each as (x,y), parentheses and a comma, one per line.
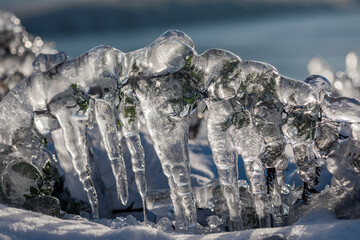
(252,110)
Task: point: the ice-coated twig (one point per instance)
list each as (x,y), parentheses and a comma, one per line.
(337,142)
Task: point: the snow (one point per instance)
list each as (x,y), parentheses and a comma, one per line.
(20,224)
(17,224)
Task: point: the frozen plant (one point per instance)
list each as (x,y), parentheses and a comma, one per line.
(77,93)
(247,101)
(157,78)
(253,111)
(336,143)
(22,161)
(302,114)
(57,98)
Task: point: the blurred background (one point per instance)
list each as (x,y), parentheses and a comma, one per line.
(284,33)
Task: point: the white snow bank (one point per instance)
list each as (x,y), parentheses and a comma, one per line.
(319,224)
(16,224)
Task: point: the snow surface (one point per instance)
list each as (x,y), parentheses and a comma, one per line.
(16,224)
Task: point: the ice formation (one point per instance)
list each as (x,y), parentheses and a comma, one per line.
(335,139)
(250,107)
(158,78)
(252,111)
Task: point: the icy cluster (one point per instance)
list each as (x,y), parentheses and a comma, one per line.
(18,50)
(336,142)
(252,110)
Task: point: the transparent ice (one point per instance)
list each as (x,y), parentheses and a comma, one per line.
(86,89)
(252,111)
(249,104)
(60,94)
(128,112)
(19,180)
(157,77)
(336,141)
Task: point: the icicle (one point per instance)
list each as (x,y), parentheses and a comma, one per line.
(106,120)
(225,158)
(74,130)
(302,110)
(129,121)
(91,114)
(166,97)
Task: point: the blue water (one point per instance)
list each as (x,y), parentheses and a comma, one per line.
(288,42)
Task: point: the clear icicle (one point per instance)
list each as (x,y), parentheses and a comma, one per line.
(65,92)
(302,109)
(129,121)
(106,120)
(247,98)
(74,131)
(169,141)
(91,114)
(237,108)
(337,141)
(166,98)
(225,158)
(79,80)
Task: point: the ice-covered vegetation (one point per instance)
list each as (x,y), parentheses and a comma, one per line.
(251,110)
